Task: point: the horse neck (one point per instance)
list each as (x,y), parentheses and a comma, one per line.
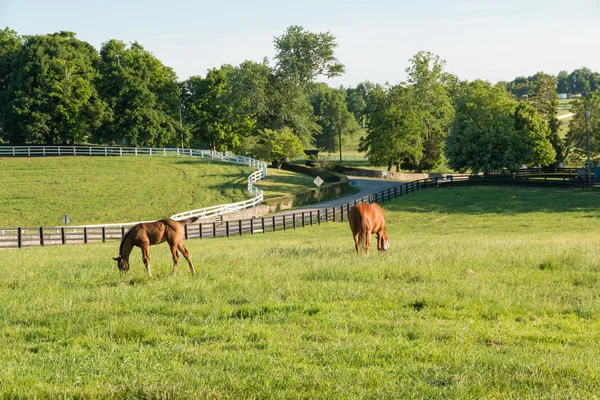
(126,246)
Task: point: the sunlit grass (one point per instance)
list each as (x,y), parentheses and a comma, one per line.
(485,293)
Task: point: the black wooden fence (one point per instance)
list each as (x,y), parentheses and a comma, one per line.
(27,237)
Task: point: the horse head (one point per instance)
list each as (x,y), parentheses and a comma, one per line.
(122,263)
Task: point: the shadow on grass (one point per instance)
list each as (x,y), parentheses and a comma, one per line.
(499,200)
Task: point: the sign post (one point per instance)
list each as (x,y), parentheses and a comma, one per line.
(318,181)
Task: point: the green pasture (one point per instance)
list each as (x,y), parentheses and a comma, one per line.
(280,182)
(94,190)
(484,293)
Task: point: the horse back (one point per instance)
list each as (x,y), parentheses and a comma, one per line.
(365,217)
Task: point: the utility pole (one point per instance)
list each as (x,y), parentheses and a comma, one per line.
(181,125)
(340,135)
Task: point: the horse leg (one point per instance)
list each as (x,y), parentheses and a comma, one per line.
(187,256)
(175,257)
(357,243)
(368,241)
(146,257)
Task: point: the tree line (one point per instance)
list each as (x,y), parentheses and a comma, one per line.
(57,89)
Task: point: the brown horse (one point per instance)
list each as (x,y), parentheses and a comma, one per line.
(149,233)
(366,219)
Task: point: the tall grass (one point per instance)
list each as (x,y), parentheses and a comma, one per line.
(485,293)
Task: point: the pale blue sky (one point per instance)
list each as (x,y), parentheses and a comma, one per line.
(487,39)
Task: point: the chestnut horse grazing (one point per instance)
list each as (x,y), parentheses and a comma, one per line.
(148,233)
(366,219)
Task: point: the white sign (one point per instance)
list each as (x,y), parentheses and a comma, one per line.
(384,174)
(66,219)
(318,181)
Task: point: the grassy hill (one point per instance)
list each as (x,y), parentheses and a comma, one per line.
(484,293)
(38,191)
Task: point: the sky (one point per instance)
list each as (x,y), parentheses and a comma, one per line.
(486,39)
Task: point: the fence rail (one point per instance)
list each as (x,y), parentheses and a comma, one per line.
(27,237)
(207,212)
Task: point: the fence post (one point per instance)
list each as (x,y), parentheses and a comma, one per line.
(294,220)
(200,233)
(214,229)
(62,235)
(274,223)
(240,227)
(319,217)
(262,224)
(303,219)
(103,234)
(185,231)
(326,214)
(311,217)
(284,227)
(227,228)
(252,226)
(85,235)
(333,214)
(342,213)
(41,236)
(19,237)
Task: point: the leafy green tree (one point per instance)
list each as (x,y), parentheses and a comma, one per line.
(143,97)
(576,139)
(544,98)
(534,134)
(332,115)
(288,105)
(394,127)
(581,81)
(10,43)
(357,100)
(51,95)
(278,146)
(302,56)
(491,131)
(225,108)
(208,117)
(431,90)
(562,82)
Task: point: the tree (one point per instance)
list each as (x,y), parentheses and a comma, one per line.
(576,139)
(579,81)
(357,101)
(51,96)
(10,44)
(301,56)
(491,131)
(332,115)
(431,91)
(205,113)
(278,146)
(562,82)
(393,129)
(143,97)
(544,98)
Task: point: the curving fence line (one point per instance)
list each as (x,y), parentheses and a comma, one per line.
(27,237)
(256,193)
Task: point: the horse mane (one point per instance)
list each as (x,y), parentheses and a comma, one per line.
(123,240)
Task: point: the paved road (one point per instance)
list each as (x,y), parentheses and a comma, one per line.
(366,186)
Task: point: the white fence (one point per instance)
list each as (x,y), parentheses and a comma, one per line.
(260,173)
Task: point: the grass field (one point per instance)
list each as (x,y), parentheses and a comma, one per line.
(93,190)
(485,293)
(281,182)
